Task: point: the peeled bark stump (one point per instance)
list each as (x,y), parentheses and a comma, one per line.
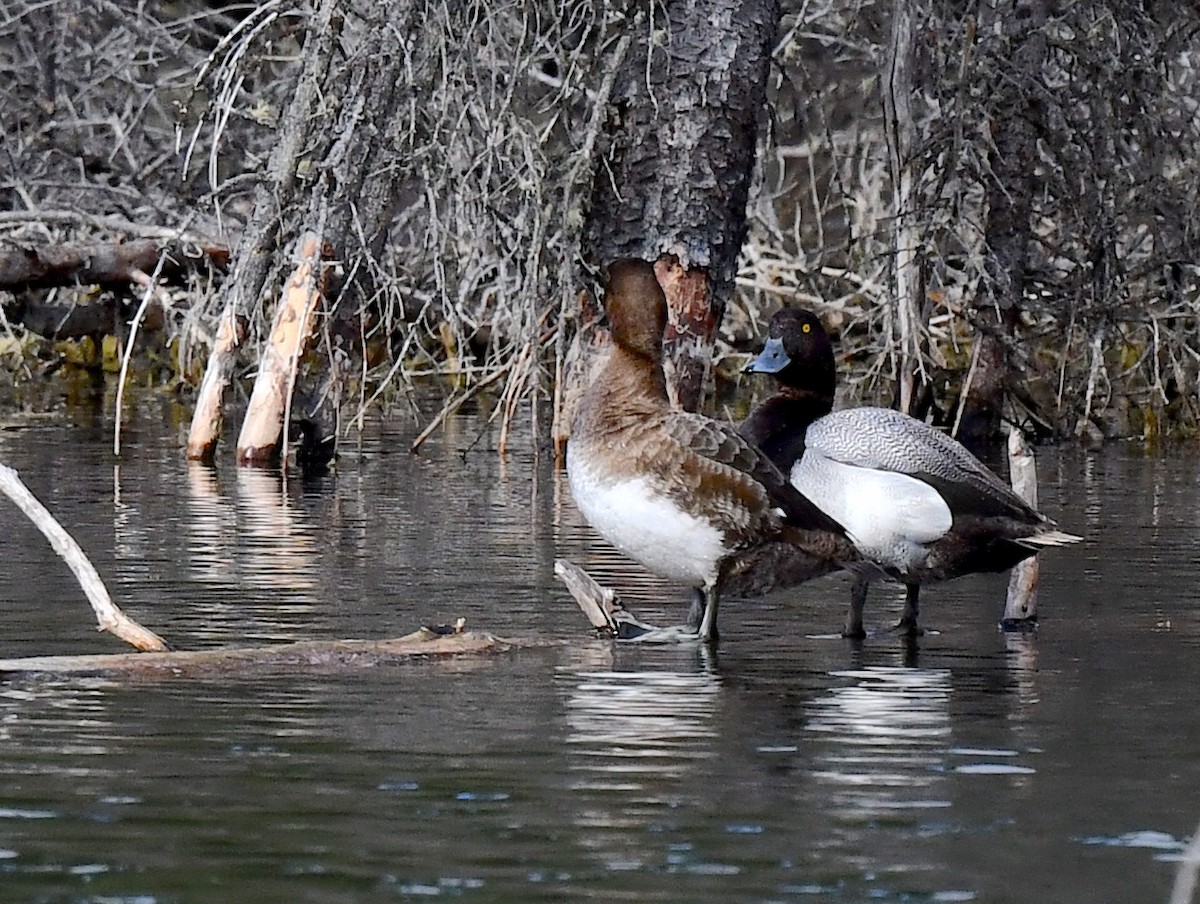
(207,417)
(1020,607)
(907,326)
(293,325)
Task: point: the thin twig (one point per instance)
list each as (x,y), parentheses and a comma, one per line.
(152,290)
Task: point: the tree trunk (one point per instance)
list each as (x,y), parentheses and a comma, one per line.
(1017,120)
(676,176)
(907,325)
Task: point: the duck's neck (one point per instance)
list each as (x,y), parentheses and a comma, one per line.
(637,380)
(818,402)
(777,425)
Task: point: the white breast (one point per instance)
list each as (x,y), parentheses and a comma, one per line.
(647,526)
(889,516)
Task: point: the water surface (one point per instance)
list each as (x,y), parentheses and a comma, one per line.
(1062,767)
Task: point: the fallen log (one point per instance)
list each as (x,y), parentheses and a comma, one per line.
(312,655)
(112,264)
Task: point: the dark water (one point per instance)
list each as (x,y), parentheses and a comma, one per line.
(1063,767)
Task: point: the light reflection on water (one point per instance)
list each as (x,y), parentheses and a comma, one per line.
(887,732)
(1059,767)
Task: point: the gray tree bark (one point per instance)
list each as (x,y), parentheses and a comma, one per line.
(1017,120)
(329,176)
(676,176)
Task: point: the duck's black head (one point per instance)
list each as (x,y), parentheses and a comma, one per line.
(798,354)
(636,307)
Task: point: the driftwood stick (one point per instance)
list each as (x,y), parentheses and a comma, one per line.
(595,600)
(1020,607)
(316,654)
(112,264)
(604,610)
(109,617)
(295,318)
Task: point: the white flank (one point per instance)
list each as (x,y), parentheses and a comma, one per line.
(647,526)
(889,516)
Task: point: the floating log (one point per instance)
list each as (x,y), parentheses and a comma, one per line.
(1020,607)
(295,318)
(108,615)
(313,655)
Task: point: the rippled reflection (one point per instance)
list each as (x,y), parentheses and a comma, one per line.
(886,735)
(261,540)
(627,727)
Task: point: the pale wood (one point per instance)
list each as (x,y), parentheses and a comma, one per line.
(153,291)
(314,654)
(109,617)
(1020,607)
(603,608)
(207,417)
(595,600)
(294,320)
(1184,889)
(692,318)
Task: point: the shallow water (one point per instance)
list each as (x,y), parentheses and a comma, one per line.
(1062,767)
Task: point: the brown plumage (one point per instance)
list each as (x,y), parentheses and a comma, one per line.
(682,494)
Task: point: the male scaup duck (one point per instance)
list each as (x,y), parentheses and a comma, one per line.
(681,494)
(918,506)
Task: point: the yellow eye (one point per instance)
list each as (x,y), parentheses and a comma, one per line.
(807,328)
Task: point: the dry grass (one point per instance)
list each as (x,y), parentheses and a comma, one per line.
(142,120)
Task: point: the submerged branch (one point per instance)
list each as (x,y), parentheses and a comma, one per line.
(109,617)
(327,654)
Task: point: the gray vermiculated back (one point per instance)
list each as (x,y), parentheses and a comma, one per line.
(888,440)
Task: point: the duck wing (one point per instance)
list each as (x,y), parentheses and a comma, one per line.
(720,444)
(886,440)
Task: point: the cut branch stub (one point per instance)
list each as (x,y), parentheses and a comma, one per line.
(1020,607)
(206,419)
(295,318)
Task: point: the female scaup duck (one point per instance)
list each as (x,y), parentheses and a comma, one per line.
(917,505)
(680,493)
